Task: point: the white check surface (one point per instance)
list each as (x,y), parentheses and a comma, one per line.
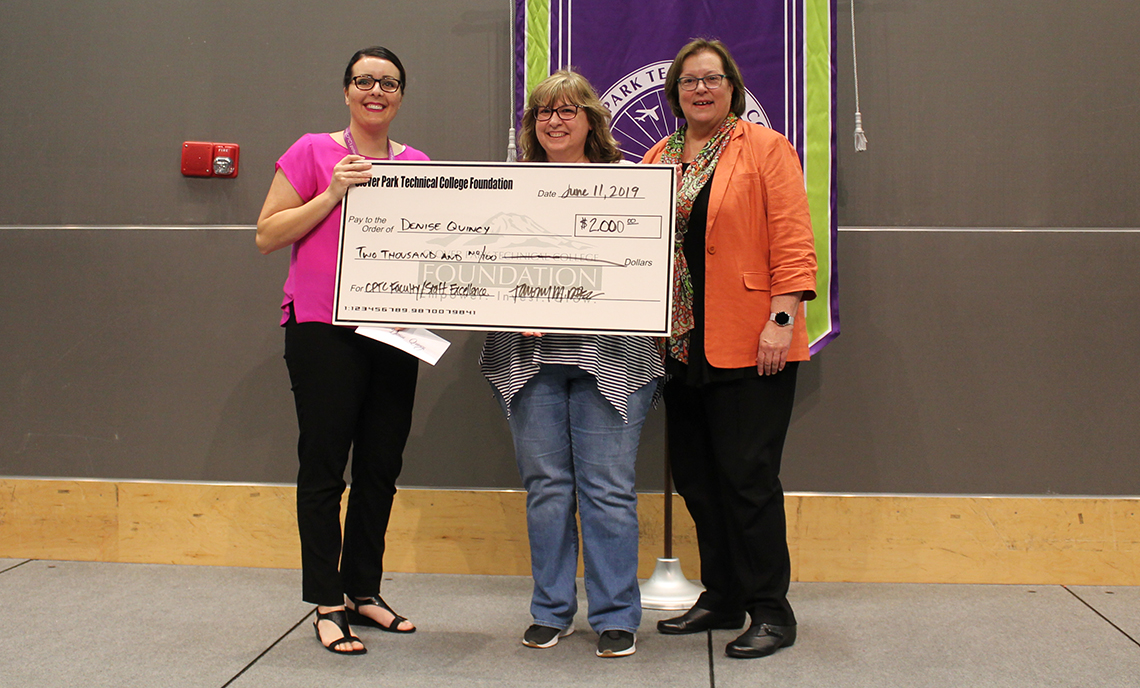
(523,247)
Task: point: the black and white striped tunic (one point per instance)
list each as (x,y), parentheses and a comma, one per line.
(620,365)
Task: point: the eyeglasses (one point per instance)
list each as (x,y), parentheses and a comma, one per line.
(566,112)
(387,84)
(712,82)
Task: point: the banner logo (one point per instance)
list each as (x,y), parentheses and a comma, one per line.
(641,113)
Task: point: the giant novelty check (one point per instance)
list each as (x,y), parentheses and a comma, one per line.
(524,247)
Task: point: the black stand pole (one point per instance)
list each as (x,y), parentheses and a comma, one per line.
(668,499)
(667,588)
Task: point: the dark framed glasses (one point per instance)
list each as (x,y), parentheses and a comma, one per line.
(712,82)
(366,82)
(565,112)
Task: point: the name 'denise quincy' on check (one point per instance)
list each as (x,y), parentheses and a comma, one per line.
(375,225)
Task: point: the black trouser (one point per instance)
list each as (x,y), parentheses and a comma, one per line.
(725,441)
(350,391)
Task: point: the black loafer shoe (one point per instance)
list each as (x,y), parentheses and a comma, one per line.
(761,641)
(697,619)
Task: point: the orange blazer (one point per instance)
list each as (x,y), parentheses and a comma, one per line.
(758,244)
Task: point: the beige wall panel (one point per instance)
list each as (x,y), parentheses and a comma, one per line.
(59,519)
(968,540)
(859,538)
(458,531)
(220,525)
(484,532)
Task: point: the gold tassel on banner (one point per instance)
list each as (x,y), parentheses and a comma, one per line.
(860,137)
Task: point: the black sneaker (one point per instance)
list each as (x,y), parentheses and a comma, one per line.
(544,636)
(616,644)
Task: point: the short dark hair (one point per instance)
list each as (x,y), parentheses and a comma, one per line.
(731,72)
(375,51)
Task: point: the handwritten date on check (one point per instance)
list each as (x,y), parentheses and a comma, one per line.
(509,246)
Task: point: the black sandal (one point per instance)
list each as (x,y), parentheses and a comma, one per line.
(339,618)
(376,601)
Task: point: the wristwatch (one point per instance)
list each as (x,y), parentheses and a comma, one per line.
(782,319)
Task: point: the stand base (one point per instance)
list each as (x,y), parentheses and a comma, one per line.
(668,589)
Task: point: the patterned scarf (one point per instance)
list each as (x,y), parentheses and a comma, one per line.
(689,185)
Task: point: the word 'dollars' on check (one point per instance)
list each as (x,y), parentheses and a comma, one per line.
(509,246)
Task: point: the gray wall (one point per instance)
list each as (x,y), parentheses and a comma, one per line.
(145,343)
(991,114)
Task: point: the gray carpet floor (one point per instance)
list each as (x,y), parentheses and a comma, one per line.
(68,623)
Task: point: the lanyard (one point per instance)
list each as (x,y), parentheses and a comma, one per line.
(350,143)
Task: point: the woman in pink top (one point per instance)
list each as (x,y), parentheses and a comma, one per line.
(350,391)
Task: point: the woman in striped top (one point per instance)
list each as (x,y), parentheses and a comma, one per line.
(576,405)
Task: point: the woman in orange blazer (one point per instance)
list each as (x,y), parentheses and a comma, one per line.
(745,263)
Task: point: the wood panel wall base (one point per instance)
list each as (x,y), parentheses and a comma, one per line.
(852,538)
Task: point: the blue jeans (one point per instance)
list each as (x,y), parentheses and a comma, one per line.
(575,453)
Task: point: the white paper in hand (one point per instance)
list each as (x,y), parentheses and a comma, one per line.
(421,343)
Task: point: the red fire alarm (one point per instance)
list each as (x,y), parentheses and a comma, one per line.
(202,159)
(225,162)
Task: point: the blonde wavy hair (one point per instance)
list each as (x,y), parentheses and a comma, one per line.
(571,88)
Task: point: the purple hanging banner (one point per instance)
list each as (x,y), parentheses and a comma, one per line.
(785,50)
